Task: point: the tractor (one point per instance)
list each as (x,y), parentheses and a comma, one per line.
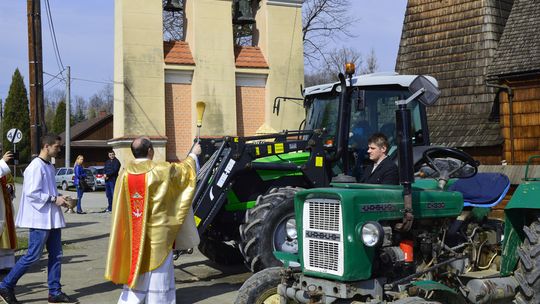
(430,239)
(244,201)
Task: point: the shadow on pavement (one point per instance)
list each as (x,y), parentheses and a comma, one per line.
(194,294)
(86,239)
(79,224)
(96,289)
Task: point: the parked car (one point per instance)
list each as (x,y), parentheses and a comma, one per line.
(64,178)
(98,172)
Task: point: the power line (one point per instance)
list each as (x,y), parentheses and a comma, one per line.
(53,38)
(89,80)
(53,77)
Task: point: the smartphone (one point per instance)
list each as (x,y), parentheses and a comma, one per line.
(15,159)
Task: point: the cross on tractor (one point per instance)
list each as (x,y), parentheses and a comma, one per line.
(430,239)
(244,201)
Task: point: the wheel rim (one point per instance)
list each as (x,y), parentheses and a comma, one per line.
(269,297)
(64,186)
(282,241)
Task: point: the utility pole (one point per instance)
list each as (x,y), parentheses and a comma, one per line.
(67,140)
(35,57)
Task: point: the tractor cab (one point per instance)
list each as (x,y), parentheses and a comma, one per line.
(372,100)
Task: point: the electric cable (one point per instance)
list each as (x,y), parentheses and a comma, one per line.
(52,32)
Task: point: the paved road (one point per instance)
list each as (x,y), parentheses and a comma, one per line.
(85,247)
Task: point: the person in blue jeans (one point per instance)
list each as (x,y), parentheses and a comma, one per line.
(111,169)
(39,210)
(80,176)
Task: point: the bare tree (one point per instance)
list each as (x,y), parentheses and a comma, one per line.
(337,59)
(334,64)
(102,101)
(371,65)
(324,20)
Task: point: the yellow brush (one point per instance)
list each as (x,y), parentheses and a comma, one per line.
(200,112)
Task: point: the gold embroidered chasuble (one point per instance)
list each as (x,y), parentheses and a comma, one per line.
(147,214)
(8,238)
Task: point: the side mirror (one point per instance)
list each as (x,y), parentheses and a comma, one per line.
(431,92)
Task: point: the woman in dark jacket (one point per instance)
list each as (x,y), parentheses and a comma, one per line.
(79,181)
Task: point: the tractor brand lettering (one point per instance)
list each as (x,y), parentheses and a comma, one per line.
(223,178)
(322,235)
(435,205)
(378,208)
(292,146)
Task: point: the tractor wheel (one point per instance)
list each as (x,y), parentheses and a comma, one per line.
(64,186)
(220,252)
(261,288)
(528,271)
(269,226)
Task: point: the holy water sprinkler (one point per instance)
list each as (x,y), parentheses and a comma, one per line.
(200,112)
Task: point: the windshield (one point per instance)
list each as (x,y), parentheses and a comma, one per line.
(373,110)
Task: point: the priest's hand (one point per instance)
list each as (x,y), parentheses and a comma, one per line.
(8,156)
(196,149)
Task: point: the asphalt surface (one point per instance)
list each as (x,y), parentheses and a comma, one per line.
(85,242)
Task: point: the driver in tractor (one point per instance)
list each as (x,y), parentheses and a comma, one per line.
(383,170)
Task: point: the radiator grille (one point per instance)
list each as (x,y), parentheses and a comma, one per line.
(323,255)
(323,235)
(324,215)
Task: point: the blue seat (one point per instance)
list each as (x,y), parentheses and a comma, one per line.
(482,190)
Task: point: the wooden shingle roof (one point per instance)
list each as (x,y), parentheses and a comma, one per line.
(249,57)
(454,41)
(519,47)
(177,52)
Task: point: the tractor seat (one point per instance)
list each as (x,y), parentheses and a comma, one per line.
(482,190)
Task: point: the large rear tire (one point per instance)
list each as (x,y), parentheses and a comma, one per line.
(220,252)
(528,271)
(260,288)
(265,229)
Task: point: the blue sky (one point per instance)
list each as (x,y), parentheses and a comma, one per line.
(85,35)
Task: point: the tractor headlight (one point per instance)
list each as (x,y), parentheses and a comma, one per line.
(290,228)
(372,234)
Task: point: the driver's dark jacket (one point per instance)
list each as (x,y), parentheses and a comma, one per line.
(385,173)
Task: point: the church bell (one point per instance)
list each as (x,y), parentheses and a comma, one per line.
(173,6)
(243,13)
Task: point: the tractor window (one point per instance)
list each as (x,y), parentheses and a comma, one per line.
(378,115)
(323,113)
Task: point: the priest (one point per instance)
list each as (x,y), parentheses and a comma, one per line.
(151,201)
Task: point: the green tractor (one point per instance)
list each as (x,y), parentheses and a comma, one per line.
(428,240)
(244,201)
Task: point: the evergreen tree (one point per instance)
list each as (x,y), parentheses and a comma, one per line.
(17,115)
(59,123)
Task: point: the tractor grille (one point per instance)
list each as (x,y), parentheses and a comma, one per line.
(323,235)
(324,216)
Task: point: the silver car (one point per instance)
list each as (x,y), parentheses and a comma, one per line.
(64,178)
(98,172)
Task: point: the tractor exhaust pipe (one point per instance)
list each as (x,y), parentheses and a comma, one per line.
(405,161)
